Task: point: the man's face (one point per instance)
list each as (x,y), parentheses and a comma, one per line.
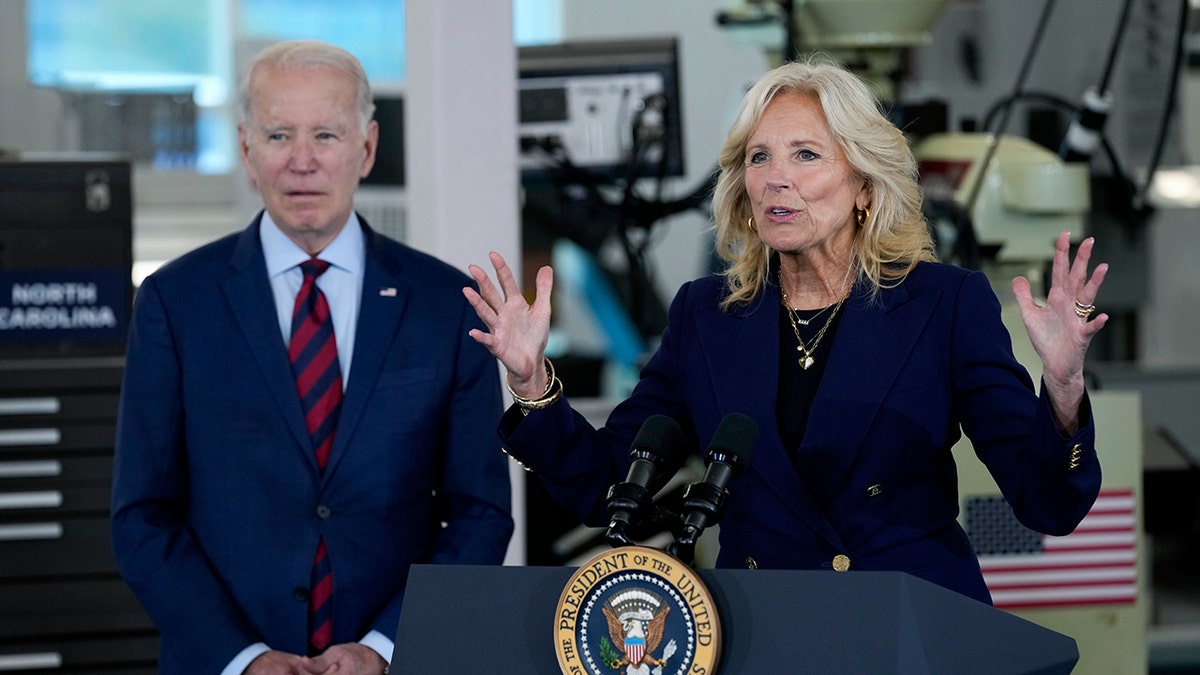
(304,151)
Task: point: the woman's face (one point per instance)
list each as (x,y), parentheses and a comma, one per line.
(802,190)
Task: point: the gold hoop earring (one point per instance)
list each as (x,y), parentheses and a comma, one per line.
(863,215)
(750,224)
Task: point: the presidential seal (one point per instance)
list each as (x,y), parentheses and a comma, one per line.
(636,611)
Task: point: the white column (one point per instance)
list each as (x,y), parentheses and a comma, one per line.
(461,172)
(461,130)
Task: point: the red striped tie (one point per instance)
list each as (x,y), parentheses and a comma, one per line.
(312,351)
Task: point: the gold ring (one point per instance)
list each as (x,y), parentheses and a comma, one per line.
(1083,311)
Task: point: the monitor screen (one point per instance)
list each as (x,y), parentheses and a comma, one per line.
(609,107)
(389,155)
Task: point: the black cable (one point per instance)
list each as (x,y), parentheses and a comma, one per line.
(1053,100)
(1087,121)
(631,217)
(1139,199)
(1066,106)
(790,48)
(1114,48)
(632,212)
(1017,89)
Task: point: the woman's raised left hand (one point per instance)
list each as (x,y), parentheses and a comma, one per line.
(1061,329)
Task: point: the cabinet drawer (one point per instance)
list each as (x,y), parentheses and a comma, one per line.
(55,488)
(21,410)
(43,439)
(60,374)
(51,470)
(43,547)
(126,655)
(62,501)
(57,609)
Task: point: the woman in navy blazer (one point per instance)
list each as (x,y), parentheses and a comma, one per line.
(860,358)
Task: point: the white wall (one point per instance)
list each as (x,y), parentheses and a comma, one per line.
(30,118)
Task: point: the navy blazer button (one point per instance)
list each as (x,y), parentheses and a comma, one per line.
(841,563)
(875,490)
(300,593)
(323,512)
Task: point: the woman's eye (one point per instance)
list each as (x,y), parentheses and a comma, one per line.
(807,155)
(758,157)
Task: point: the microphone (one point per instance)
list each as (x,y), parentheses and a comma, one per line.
(658,447)
(704,502)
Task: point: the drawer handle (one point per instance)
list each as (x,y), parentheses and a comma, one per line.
(31,531)
(42,499)
(30,436)
(45,660)
(45,468)
(42,405)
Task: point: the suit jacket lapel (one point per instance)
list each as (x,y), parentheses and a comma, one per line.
(385,295)
(248,292)
(742,351)
(869,350)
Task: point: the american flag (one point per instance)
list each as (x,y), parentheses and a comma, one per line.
(1094,565)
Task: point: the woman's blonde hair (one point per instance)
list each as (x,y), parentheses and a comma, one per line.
(893,238)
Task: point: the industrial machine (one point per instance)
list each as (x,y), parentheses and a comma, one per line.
(1013,207)
(865,35)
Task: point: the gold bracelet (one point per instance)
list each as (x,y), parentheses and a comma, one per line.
(551,394)
(549,382)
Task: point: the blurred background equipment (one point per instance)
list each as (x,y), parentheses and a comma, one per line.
(868,36)
(600,133)
(1023,198)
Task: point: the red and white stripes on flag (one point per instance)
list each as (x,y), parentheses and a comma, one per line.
(1094,565)
(635,649)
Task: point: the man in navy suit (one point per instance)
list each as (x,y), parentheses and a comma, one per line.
(220,500)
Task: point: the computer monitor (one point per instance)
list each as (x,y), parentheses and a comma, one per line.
(389,155)
(609,107)
(381,197)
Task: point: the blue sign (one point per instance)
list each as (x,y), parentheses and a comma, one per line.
(64,306)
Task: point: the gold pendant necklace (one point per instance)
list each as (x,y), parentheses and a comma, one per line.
(796,317)
(806,351)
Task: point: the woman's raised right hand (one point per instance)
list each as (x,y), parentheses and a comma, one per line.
(517,331)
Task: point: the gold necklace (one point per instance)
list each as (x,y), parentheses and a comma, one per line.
(793,313)
(796,318)
(806,352)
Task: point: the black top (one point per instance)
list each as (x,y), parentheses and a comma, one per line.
(798,386)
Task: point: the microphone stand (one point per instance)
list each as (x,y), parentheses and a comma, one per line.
(703,503)
(626,502)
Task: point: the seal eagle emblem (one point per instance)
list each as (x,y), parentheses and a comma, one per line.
(635,626)
(636,611)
